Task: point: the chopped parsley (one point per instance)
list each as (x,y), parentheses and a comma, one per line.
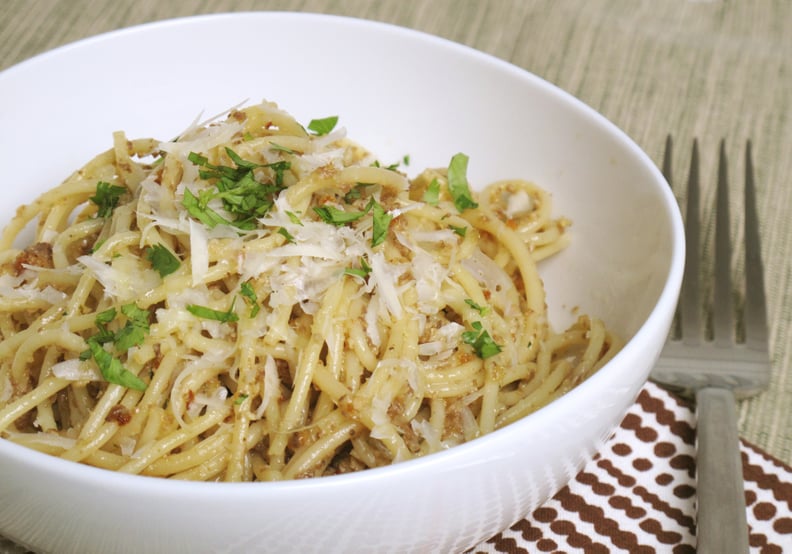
(104,335)
(480,309)
(162,259)
(481,341)
(251,298)
(242,196)
(458,184)
(198,207)
(337,217)
(432,193)
(361,272)
(133,333)
(216,315)
(240,163)
(324,125)
(103,318)
(112,369)
(286,234)
(241,398)
(106,198)
(294,218)
(392,167)
(97,245)
(356,192)
(279,148)
(382,220)
(279,168)
(461,230)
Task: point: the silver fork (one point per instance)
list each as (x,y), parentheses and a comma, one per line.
(716,372)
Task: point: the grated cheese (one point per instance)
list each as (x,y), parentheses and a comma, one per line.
(76,370)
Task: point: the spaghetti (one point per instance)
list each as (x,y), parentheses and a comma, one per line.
(257,300)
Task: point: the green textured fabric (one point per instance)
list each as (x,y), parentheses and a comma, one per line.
(706,69)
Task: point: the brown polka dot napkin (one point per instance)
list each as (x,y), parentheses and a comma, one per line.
(639,493)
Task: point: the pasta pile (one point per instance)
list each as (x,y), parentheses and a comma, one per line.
(257,300)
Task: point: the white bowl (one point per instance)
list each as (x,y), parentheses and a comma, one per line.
(398,92)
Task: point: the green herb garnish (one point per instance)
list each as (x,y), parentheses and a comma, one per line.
(382,220)
(279,148)
(131,334)
(481,341)
(97,245)
(112,369)
(279,168)
(102,320)
(162,259)
(286,234)
(134,330)
(361,272)
(432,193)
(294,218)
(250,296)
(107,198)
(483,310)
(334,216)
(356,192)
(216,315)
(241,194)
(323,126)
(461,231)
(198,207)
(237,159)
(458,183)
(392,167)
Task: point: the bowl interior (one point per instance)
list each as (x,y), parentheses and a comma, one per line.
(398,93)
(423,96)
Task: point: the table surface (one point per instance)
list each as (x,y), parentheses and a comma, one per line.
(706,69)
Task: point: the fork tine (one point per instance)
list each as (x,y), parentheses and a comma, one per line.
(755,311)
(690,307)
(722,316)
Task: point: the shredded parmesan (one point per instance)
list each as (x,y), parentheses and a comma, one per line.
(385,277)
(199,247)
(76,370)
(123,278)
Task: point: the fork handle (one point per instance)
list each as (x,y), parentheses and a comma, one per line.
(722,526)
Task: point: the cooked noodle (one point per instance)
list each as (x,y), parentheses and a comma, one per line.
(260,301)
